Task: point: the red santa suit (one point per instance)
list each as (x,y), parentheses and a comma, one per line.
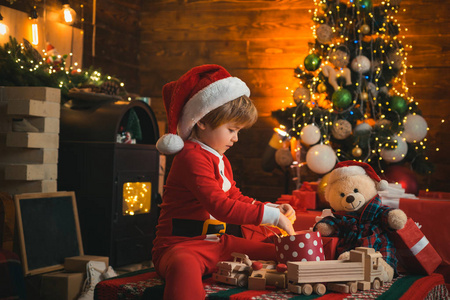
(199,188)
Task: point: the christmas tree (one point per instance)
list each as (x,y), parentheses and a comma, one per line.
(352,102)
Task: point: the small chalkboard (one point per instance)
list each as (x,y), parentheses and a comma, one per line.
(49,230)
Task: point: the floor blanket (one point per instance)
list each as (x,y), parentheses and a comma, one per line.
(145,284)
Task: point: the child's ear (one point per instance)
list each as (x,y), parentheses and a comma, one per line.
(201,125)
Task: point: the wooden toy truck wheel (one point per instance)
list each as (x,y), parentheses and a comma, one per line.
(353,287)
(307,289)
(320,289)
(242,280)
(376,284)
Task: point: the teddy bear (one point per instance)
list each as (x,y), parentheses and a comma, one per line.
(359,218)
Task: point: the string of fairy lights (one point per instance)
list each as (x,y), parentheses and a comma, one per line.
(49,61)
(353,80)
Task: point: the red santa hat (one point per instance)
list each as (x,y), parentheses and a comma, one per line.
(352,168)
(187,100)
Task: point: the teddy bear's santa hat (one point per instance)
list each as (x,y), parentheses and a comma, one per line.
(190,98)
(353,168)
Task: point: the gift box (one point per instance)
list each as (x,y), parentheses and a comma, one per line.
(303,246)
(434,195)
(304,199)
(329,247)
(414,252)
(432,216)
(305,220)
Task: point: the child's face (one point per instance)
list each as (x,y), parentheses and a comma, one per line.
(221,138)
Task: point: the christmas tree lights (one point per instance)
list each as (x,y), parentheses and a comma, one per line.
(352,102)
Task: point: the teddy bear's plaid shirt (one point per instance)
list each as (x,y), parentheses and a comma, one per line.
(366,229)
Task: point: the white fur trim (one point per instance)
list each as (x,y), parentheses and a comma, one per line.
(345,172)
(212,96)
(382,185)
(169,144)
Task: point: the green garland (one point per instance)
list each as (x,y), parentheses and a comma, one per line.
(22,65)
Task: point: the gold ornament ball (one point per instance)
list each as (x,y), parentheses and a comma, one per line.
(365,29)
(322,203)
(321,88)
(364,96)
(357,152)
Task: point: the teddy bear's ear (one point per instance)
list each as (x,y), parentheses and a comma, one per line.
(382,185)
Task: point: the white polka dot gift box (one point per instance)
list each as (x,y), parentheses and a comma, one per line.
(303,246)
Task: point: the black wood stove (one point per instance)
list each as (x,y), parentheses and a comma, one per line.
(107,155)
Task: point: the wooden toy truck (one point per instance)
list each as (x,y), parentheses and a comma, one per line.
(362,271)
(235,272)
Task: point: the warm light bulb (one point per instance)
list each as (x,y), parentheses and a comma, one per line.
(4,29)
(68,14)
(35,34)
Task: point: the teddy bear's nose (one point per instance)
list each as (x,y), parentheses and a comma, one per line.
(350,199)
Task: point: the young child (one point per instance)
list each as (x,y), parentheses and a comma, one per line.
(207,107)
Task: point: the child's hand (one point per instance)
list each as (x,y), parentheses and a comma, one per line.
(285,224)
(288,211)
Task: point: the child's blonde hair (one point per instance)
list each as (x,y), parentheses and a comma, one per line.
(240,111)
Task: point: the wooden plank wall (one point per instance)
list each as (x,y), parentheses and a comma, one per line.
(149,43)
(117,39)
(262,42)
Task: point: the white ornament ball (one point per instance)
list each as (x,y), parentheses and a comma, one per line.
(363,127)
(300,94)
(360,64)
(341,129)
(310,134)
(283,157)
(321,159)
(397,154)
(324,34)
(416,128)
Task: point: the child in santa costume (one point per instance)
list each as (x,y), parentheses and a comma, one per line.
(206,108)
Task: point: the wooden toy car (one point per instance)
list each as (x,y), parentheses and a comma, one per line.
(235,272)
(362,271)
(269,274)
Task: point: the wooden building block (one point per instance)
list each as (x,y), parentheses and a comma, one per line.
(34,108)
(78,263)
(19,187)
(27,155)
(31,92)
(62,285)
(47,125)
(30,172)
(32,140)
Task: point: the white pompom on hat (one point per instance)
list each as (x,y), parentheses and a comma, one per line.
(352,168)
(187,100)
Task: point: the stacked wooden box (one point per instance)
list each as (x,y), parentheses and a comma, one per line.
(28,160)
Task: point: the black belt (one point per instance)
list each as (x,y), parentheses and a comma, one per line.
(191,228)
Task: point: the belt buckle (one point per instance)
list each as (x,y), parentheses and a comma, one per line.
(213,222)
